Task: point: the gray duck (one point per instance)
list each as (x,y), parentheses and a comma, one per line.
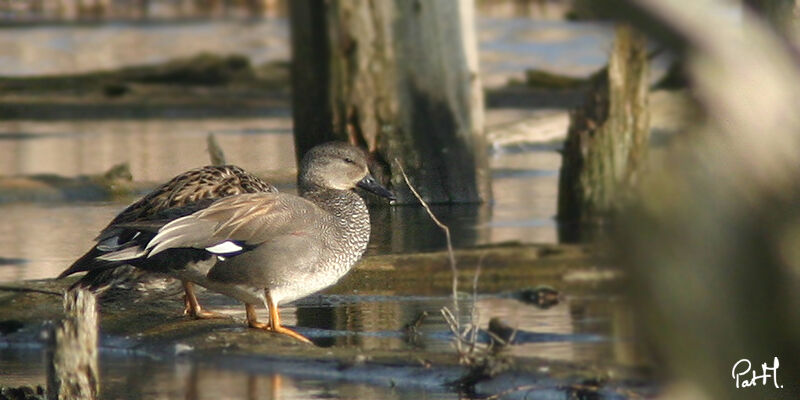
(262,247)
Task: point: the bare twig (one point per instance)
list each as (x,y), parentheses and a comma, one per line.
(455,328)
(475,320)
(450,253)
(444,227)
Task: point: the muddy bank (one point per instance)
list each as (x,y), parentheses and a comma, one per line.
(151,326)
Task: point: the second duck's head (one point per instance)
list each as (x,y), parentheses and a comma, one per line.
(340,166)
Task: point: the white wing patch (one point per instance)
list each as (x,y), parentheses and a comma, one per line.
(225,247)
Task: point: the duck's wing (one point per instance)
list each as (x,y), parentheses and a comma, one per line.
(237,224)
(182,195)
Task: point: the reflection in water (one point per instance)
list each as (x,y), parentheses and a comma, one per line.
(126,377)
(580,328)
(402,228)
(157,149)
(48,238)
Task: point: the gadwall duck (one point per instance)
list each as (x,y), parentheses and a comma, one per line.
(259,248)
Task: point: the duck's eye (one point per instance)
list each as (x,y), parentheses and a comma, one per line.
(349,160)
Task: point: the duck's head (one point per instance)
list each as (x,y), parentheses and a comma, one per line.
(340,166)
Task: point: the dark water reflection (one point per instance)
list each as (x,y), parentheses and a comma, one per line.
(403,228)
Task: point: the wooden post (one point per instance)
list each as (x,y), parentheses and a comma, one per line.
(401,78)
(311,109)
(72,350)
(607,141)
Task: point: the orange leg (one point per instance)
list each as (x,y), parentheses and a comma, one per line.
(192,306)
(252,319)
(274,320)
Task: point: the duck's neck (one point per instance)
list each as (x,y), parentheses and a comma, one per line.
(347,207)
(351,217)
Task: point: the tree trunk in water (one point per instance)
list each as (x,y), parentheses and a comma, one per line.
(311,110)
(400,78)
(607,141)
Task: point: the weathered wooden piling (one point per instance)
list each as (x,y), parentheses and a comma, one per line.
(72,350)
(606,145)
(401,78)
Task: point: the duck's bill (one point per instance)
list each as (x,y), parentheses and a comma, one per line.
(371,185)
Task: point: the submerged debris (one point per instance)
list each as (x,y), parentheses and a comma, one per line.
(411,329)
(540,296)
(501,334)
(22,393)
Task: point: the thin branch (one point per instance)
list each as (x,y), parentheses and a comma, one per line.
(455,328)
(444,227)
(474,314)
(450,252)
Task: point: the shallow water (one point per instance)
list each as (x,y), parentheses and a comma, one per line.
(582,328)
(131,377)
(156,149)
